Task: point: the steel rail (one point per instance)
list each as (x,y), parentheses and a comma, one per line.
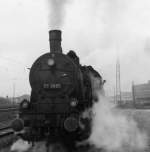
(9,109)
(5,127)
(5,131)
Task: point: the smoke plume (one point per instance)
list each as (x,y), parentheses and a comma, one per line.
(57,13)
(114,131)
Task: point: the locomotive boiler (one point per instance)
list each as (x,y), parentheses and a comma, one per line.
(61,91)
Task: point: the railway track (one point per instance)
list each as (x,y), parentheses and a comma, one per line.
(6,137)
(9,109)
(7,115)
(5,131)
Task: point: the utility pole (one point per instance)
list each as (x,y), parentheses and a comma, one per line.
(133,94)
(118,85)
(115,96)
(13,93)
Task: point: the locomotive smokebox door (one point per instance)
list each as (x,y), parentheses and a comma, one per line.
(55,41)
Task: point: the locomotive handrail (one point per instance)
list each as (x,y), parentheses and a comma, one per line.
(66,70)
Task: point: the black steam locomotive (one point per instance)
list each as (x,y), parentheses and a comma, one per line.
(62,90)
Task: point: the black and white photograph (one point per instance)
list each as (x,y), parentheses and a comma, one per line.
(74,76)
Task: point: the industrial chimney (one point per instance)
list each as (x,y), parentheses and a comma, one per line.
(55,41)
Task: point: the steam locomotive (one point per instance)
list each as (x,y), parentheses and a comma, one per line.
(62,92)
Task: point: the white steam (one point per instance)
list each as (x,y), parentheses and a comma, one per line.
(57,13)
(113,130)
(20,146)
(23,146)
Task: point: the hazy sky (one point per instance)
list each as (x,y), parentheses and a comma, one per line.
(96,29)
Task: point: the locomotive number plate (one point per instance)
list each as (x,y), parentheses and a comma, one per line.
(52,86)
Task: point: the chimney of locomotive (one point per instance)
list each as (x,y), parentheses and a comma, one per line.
(55,41)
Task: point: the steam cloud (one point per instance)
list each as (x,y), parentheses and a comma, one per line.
(20,146)
(23,146)
(57,13)
(114,131)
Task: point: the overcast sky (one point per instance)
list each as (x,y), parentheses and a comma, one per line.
(97,30)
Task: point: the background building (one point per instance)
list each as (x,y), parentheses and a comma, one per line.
(126,99)
(141,93)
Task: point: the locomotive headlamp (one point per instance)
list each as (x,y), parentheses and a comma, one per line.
(50,62)
(74,102)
